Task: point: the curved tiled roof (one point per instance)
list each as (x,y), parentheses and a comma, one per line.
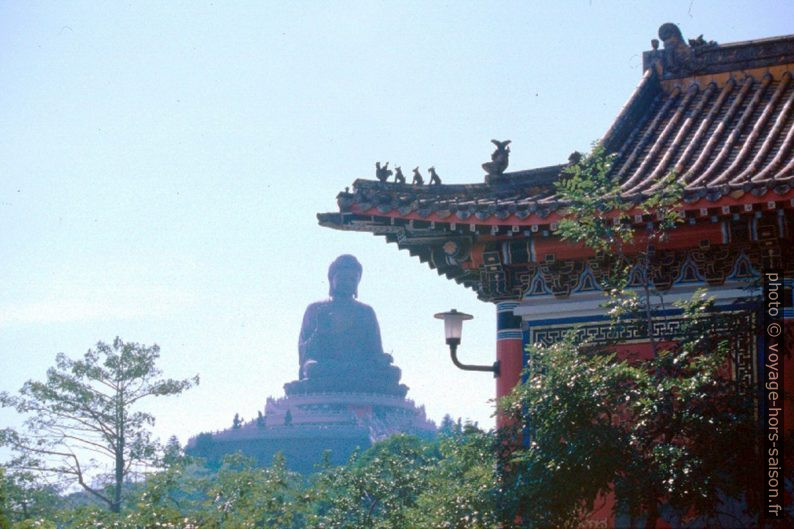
(737,136)
(720,117)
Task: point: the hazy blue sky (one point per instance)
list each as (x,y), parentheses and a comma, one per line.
(161,165)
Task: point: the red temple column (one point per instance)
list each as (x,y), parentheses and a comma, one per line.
(509,347)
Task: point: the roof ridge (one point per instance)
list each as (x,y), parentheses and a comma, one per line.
(648,81)
(680,60)
(646,137)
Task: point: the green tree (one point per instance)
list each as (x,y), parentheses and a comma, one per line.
(598,215)
(171,498)
(243,495)
(86,409)
(26,498)
(447,426)
(5,522)
(462,490)
(375,489)
(173,454)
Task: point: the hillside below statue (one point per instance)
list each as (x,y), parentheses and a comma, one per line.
(339,348)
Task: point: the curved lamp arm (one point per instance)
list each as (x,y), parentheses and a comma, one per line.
(453,352)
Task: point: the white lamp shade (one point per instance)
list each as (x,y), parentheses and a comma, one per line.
(453,323)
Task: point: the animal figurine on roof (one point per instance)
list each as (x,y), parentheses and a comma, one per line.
(382,173)
(434,178)
(700,42)
(398,175)
(418,180)
(499,158)
(677,54)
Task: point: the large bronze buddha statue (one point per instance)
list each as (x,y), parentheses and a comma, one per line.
(339,346)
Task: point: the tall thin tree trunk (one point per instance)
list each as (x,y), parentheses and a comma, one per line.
(119,477)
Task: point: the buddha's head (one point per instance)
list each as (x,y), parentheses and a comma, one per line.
(343,277)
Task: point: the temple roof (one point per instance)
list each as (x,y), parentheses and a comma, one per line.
(719,116)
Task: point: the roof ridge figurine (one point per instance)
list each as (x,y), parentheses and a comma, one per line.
(418,180)
(499,158)
(700,42)
(398,175)
(434,178)
(382,173)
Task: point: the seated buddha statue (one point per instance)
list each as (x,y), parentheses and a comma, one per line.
(339,348)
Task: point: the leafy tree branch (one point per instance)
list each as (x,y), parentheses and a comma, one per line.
(86,406)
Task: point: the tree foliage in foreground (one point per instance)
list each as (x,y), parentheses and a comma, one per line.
(83,418)
(448,482)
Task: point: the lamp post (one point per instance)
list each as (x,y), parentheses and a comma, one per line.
(453,328)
